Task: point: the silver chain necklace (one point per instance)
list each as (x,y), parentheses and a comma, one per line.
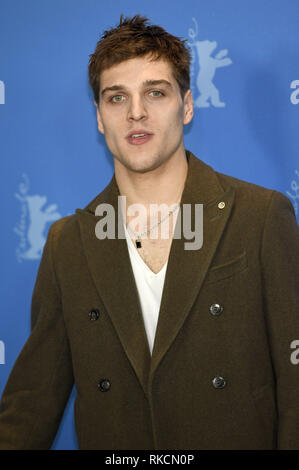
(137,241)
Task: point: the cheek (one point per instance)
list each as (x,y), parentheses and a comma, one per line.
(173,122)
(111,127)
(111,119)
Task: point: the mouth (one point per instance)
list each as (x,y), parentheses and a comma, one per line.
(138,138)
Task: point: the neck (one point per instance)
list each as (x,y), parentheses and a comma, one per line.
(163,185)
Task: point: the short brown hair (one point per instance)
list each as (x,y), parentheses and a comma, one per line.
(133,38)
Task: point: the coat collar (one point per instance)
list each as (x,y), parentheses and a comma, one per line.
(110,266)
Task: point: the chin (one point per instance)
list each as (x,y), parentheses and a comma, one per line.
(141,163)
(141,167)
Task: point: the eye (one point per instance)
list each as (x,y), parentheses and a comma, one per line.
(157,91)
(116,96)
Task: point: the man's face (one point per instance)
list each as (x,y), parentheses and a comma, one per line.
(134,105)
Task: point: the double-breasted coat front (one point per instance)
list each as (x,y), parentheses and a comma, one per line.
(223,373)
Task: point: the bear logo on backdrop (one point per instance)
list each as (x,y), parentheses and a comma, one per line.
(32,223)
(208,64)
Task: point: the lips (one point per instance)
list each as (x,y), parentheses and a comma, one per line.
(141,136)
(139,140)
(138,132)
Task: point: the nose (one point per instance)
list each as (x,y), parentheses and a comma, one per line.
(137,109)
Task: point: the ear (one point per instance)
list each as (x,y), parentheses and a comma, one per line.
(99,119)
(188,107)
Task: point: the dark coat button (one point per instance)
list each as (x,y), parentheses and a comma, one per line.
(94,314)
(104,385)
(219,382)
(216,309)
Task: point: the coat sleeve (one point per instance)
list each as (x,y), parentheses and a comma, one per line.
(41,380)
(280,271)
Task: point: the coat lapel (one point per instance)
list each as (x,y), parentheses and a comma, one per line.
(110,266)
(187,269)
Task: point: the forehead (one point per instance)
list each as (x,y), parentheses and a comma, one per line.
(134,71)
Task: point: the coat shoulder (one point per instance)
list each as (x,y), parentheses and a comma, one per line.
(253,194)
(243,185)
(63,232)
(62,225)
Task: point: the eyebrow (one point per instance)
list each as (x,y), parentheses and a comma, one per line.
(145,83)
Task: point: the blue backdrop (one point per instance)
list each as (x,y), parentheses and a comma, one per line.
(245,84)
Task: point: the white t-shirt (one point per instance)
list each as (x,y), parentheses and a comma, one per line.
(150,288)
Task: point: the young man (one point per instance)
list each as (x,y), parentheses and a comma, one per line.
(169,348)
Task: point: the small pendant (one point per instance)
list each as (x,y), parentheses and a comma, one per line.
(138,244)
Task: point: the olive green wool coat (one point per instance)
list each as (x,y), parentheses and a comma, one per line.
(221,375)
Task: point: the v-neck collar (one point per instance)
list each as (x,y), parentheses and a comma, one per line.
(138,257)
